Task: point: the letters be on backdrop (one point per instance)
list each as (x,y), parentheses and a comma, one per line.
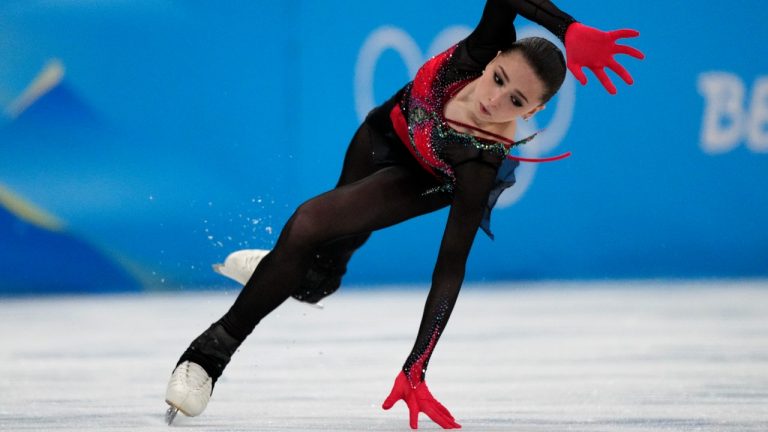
(729,116)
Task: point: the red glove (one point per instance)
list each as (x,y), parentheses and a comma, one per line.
(593,48)
(419,399)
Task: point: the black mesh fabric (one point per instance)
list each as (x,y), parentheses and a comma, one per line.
(381,184)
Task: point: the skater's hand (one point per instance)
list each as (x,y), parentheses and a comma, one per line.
(589,47)
(419,399)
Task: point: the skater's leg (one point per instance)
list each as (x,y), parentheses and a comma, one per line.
(387,197)
(358,159)
(327,229)
(329,264)
(368,152)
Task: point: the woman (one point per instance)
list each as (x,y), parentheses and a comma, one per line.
(442,140)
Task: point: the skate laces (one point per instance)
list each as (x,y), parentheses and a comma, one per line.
(192,377)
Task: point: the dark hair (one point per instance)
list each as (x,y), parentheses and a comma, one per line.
(547,61)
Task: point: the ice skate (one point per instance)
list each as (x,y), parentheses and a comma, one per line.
(189,391)
(197,371)
(240,265)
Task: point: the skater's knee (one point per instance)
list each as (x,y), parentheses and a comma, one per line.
(306,226)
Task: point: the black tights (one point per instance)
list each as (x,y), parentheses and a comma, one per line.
(380,185)
(330,227)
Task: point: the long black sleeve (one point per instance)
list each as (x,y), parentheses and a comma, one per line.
(495,32)
(474,180)
(474,170)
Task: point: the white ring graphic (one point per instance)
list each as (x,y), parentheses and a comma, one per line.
(380,40)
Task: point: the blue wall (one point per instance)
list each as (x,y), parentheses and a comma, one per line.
(175,132)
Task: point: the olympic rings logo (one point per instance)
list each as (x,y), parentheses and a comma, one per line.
(392,38)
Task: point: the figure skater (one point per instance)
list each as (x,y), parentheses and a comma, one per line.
(444,139)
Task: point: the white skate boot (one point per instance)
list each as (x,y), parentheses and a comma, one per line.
(189,391)
(240,265)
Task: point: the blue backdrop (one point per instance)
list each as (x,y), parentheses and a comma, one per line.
(142,141)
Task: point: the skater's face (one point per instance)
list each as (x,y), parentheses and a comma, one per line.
(508,88)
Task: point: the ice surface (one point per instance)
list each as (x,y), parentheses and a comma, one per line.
(644,356)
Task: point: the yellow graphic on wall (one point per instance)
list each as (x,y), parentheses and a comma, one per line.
(48,78)
(28,212)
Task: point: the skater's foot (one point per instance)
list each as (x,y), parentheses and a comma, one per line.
(322,279)
(192,382)
(240,265)
(189,390)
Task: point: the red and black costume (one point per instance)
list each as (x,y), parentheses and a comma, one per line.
(404,161)
(468,167)
(383,182)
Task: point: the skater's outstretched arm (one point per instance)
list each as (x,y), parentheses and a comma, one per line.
(585,46)
(495,31)
(474,180)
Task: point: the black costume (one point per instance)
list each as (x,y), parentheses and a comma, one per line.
(384,182)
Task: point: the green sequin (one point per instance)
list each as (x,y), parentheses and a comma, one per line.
(419,115)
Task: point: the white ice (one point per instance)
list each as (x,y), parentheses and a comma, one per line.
(643,356)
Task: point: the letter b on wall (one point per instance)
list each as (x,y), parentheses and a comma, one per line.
(728,120)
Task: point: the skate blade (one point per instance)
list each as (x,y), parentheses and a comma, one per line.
(171,414)
(226,272)
(217,268)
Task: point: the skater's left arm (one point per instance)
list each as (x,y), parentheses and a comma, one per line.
(474,181)
(586,47)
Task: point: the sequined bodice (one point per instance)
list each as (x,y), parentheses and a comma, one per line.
(420,122)
(444,132)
